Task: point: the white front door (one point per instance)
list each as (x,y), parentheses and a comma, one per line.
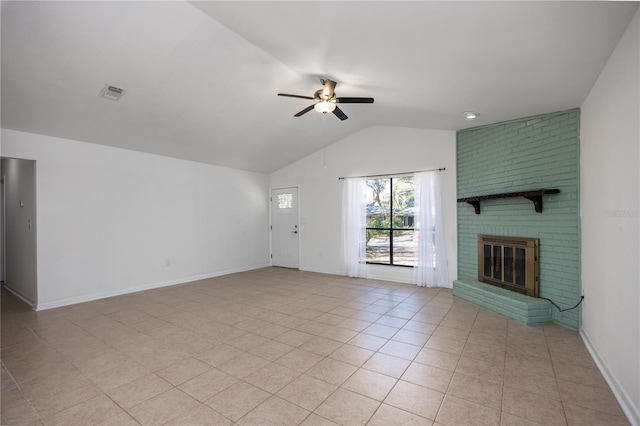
(284,227)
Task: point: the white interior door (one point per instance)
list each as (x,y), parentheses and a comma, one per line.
(19,233)
(284,227)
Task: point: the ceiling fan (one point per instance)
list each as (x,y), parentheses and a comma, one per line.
(326,100)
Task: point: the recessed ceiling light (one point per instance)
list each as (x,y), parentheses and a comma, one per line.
(470,115)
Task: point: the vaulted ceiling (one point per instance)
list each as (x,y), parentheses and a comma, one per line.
(201,78)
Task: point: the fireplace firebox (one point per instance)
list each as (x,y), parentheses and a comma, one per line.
(509,262)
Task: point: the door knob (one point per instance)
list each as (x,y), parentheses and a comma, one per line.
(294,232)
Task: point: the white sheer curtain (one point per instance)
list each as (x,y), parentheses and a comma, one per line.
(429,236)
(354,223)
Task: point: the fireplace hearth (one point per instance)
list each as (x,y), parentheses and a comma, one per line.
(509,262)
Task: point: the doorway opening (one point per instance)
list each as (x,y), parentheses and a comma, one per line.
(19,240)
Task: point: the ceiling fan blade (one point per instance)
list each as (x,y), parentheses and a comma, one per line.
(354,100)
(295,96)
(340,114)
(304,111)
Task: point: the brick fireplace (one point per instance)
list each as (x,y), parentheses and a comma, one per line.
(509,159)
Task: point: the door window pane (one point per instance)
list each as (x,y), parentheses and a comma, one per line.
(285,201)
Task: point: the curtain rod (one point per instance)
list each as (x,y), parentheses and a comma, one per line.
(394,174)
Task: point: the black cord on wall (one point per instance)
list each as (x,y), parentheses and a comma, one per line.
(563,310)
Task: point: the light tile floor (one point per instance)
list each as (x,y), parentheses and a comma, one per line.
(278,347)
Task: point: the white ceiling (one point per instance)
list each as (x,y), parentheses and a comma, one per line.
(201,78)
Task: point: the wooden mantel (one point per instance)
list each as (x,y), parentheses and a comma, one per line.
(535,196)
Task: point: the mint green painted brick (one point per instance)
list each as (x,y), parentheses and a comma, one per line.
(529,153)
(527,310)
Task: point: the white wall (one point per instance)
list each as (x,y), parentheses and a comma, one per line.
(112,221)
(610,193)
(375,150)
(19,205)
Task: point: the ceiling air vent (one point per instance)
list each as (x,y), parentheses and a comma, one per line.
(111,92)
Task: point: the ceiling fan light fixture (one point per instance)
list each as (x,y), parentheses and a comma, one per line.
(325,101)
(470,115)
(324,106)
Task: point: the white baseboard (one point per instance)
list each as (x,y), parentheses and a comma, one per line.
(20,296)
(370,275)
(383,277)
(626,403)
(374,276)
(150,286)
(320,271)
